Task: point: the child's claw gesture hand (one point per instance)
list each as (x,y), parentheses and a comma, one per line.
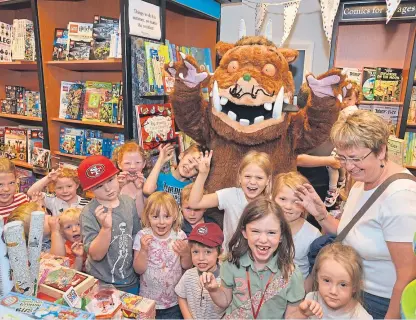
(166,152)
(310,308)
(204,162)
(139,180)
(310,200)
(78,249)
(38,197)
(104,218)
(54,174)
(54,224)
(181,248)
(208,281)
(122,178)
(145,241)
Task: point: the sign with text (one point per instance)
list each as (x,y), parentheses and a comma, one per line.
(376,11)
(144,20)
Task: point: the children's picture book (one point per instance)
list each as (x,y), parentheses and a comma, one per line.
(156,124)
(396,150)
(155,67)
(34,140)
(15,143)
(411,117)
(41,158)
(79,50)
(72,100)
(79,31)
(33,105)
(390,114)
(103,29)
(2,133)
(5,42)
(96,94)
(60,45)
(353,74)
(388,83)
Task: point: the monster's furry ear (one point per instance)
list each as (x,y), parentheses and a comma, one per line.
(223,47)
(289,54)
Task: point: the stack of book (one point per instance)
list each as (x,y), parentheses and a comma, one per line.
(5,42)
(21,101)
(23,40)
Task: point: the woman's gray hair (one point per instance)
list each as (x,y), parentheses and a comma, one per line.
(361,129)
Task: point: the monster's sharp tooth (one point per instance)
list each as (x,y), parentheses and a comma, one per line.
(232,115)
(286,100)
(216,97)
(278,104)
(223,101)
(210,94)
(268,106)
(258,119)
(339,98)
(244,122)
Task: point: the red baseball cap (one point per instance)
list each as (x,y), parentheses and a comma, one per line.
(94,170)
(209,234)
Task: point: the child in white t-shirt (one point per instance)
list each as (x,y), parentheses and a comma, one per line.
(303,233)
(337,284)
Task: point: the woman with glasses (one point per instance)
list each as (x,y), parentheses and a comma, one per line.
(383,236)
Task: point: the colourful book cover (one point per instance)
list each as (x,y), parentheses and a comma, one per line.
(388,84)
(369,78)
(33,106)
(353,74)
(154,68)
(156,124)
(72,100)
(96,94)
(60,44)
(390,114)
(34,139)
(79,50)
(15,144)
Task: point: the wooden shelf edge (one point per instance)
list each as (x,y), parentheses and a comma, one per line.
(19,65)
(382,103)
(17,116)
(68,155)
(88,65)
(411,167)
(411,125)
(91,123)
(22,164)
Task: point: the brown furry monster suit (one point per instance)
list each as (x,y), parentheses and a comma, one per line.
(249,107)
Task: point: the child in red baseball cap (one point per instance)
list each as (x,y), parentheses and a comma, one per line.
(205,241)
(108,225)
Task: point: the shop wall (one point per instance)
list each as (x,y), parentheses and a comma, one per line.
(306,29)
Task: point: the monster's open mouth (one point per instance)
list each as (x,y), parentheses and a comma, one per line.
(248,115)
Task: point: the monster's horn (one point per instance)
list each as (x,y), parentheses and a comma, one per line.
(242,29)
(268,32)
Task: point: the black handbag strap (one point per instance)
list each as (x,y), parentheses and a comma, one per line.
(371,200)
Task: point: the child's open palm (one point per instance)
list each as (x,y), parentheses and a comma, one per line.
(166,152)
(145,242)
(78,249)
(204,162)
(310,308)
(208,281)
(181,248)
(310,200)
(104,218)
(54,224)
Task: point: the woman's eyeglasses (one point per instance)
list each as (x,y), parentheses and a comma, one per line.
(344,160)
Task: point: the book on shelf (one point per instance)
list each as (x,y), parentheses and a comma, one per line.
(15,143)
(23,41)
(353,74)
(96,94)
(71,100)
(410,148)
(411,117)
(387,86)
(5,42)
(40,159)
(79,50)
(34,140)
(369,78)
(33,104)
(103,30)
(60,45)
(155,67)
(396,150)
(71,141)
(79,31)
(390,114)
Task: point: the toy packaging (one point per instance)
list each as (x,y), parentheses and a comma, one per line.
(72,99)
(104,301)
(137,307)
(60,44)
(39,309)
(96,94)
(15,144)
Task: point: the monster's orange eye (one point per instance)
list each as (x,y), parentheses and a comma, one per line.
(233,66)
(269,70)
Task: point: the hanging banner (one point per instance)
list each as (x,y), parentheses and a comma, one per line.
(260,14)
(289,15)
(329,10)
(144,20)
(376,11)
(391,8)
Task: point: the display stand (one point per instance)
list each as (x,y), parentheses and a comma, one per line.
(365,40)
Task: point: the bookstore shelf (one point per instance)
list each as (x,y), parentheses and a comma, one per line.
(68,155)
(90,123)
(19,65)
(88,65)
(411,125)
(17,116)
(22,164)
(383,103)
(411,167)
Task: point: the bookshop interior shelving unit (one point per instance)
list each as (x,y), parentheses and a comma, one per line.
(364,43)
(26,74)
(57,14)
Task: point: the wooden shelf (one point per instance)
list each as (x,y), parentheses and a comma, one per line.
(74,156)
(19,65)
(18,116)
(90,123)
(22,164)
(88,65)
(382,103)
(411,167)
(412,126)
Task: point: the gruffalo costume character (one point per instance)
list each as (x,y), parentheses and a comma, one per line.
(250,108)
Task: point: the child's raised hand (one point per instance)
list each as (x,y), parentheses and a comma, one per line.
(38,197)
(54,174)
(166,152)
(145,241)
(208,281)
(122,178)
(78,249)
(104,218)
(139,180)
(181,248)
(54,224)
(204,162)
(310,308)
(310,200)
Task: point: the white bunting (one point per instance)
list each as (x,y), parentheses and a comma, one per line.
(329,10)
(289,12)
(260,14)
(391,8)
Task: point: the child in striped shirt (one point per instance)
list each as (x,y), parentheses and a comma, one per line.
(9,198)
